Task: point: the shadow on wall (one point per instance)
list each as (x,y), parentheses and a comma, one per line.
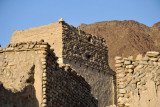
(115,88)
(114,81)
(26,98)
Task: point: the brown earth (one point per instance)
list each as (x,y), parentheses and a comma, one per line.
(125,38)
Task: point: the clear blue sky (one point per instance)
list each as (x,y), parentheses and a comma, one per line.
(24,14)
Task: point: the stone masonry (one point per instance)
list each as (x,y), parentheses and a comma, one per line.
(71,69)
(87,54)
(31,77)
(138,80)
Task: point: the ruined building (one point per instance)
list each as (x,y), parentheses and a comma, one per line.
(39,80)
(58,65)
(31,77)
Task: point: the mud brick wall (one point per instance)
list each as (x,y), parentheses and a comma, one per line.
(62,87)
(51,33)
(21,74)
(138,80)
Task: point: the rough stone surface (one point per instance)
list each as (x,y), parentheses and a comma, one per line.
(31,77)
(74,45)
(141,87)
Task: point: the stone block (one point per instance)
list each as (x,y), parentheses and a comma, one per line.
(122,91)
(119,70)
(123,100)
(44,101)
(118,65)
(121,86)
(130,66)
(119,61)
(44,105)
(120,95)
(44,46)
(154,59)
(139,67)
(43,60)
(127,62)
(118,58)
(152,54)
(130,70)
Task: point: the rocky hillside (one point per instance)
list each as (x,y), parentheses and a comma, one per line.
(125,38)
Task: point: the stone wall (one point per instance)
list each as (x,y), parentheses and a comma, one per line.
(87,54)
(75,46)
(84,48)
(31,77)
(138,80)
(62,87)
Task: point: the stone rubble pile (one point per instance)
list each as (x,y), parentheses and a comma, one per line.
(133,74)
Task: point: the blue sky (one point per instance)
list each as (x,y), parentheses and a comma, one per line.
(24,14)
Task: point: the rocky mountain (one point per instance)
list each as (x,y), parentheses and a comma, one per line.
(125,38)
